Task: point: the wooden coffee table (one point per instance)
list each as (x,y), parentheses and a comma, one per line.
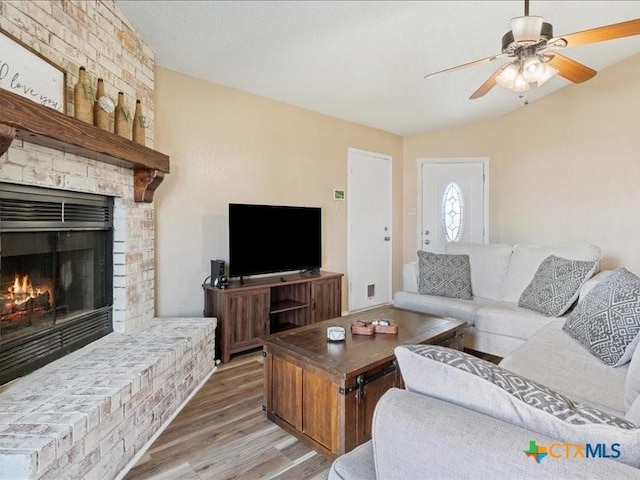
(324,393)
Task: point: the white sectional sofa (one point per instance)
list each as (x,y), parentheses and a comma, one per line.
(564,404)
(419,433)
(499,275)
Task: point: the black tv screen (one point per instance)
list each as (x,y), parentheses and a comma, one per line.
(273,238)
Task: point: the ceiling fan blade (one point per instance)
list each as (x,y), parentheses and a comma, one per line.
(600,34)
(570,69)
(470,64)
(488,84)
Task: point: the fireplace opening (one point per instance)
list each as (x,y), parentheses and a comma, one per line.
(56,275)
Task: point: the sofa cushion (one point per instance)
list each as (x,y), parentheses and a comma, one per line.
(554,359)
(526,259)
(632,384)
(633,414)
(444,275)
(509,319)
(410,277)
(445,307)
(460,378)
(417,437)
(607,321)
(556,285)
(489,263)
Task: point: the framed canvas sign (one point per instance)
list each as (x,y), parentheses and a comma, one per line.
(27,73)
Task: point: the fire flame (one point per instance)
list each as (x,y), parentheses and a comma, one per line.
(22,290)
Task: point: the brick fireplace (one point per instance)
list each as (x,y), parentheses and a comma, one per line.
(92,413)
(96,35)
(133,223)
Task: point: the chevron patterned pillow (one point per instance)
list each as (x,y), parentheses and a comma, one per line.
(607,320)
(476,384)
(556,285)
(444,275)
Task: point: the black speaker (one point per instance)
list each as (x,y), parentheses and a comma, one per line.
(217,270)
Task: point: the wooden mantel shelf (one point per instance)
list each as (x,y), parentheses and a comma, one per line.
(27,120)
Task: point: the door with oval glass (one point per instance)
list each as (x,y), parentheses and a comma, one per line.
(452,202)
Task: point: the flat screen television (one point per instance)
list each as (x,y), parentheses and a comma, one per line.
(273,238)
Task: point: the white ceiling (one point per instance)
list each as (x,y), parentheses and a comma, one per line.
(365,61)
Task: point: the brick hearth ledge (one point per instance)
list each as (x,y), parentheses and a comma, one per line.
(89,414)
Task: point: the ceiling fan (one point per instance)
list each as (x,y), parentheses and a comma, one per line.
(533,51)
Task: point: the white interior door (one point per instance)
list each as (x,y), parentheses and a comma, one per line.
(369,229)
(453,202)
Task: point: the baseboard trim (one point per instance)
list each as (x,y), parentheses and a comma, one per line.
(162,428)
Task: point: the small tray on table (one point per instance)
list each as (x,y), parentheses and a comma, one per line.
(359,327)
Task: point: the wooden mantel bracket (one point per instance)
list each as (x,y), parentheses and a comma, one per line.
(146,182)
(7,134)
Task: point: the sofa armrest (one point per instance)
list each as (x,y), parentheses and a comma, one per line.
(416,435)
(410,277)
(356,465)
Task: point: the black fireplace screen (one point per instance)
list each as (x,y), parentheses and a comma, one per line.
(50,277)
(56,275)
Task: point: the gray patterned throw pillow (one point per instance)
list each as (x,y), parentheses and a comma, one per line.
(607,320)
(461,379)
(556,285)
(444,275)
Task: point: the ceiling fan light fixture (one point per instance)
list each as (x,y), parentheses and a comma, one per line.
(508,76)
(527,29)
(549,72)
(511,78)
(520,84)
(533,69)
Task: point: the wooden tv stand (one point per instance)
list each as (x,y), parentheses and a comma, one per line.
(267,305)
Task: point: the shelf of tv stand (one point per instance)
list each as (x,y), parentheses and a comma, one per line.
(249,311)
(281,327)
(286,305)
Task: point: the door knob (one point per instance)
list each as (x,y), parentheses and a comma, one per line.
(427,242)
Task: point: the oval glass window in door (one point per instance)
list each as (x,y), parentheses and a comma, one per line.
(452,212)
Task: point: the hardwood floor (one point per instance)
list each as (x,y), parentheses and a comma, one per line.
(223,433)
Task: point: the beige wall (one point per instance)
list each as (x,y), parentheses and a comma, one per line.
(564,170)
(229,146)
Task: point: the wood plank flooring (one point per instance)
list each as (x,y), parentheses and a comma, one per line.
(223,434)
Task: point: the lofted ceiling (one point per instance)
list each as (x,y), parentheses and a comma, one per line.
(365,61)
